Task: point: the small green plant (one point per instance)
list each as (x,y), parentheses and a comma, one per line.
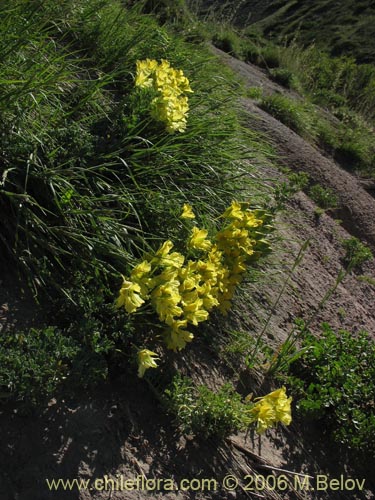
(335,381)
(325,198)
(202,411)
(356,151)
(254,93)
(357,253)
(35,362)
(251,53)
(366,279)
(285,77)
(297,181)
(217,414)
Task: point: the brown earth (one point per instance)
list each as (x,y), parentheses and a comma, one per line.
(120,430)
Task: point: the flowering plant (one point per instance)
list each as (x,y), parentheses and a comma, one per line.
(170,106)
(183,291)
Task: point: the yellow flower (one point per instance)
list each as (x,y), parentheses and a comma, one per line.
(207,270)
(234,211)
(264,414)
(187,212)
(164,250)
(270,409)
(282,405)
(250,220)
(172,110)
(207,294)
(140,275)
(164,258)
(175,260)
(145,70)
(194,313)
(146,359)
(129,296)
(177,338)
(165,299)
(199,240)
(140,270)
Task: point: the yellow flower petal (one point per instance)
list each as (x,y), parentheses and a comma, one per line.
(187,212)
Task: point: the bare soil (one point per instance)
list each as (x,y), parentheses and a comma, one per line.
(120,430)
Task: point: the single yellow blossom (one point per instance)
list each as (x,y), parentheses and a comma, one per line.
(234,211)
(130,296)
(176,337)
(165,299)
(270,409)
(146,359)
(263,413)
(199,239)
(140,270)
(145,70)
(282,405)
(187,212)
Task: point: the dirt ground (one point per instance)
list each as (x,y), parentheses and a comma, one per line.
(120,432)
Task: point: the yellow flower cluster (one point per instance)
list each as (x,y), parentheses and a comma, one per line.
(170,106)
(184,291)
(270,409)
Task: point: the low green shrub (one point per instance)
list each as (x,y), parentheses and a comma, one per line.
(202,411)
(335,383)
(34,363)
(296,181)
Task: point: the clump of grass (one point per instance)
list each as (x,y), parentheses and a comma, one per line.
(252,53)
(254,93)
(90,179)
(287,111)
(286,78)
(228,41)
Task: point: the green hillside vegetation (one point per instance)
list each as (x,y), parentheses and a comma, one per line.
(93,181)
(121,139)
(342,28)
(338,84)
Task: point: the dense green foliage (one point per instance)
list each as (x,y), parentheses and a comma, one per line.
(90,181)
(346,27)
(204,412)
(34,363)
(88,178)
(334,379)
